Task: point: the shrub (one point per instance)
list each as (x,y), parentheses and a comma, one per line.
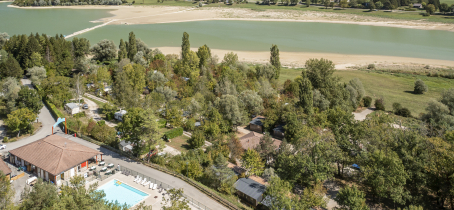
(404,112)
(371,66)
(79,115)
(5,139)
(420,87)
(367,101)
(173,133)
(101,122)
(380,104)
(162,123)
(396,107)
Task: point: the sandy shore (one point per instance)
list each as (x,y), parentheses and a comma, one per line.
(167,14)
(342,61)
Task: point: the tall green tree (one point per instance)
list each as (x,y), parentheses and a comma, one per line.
(252,162)
(266,148)
(132,46)
(279,194)
(305,93)
(275,60)
(197,139)
(185,48)
(220,176)
(11,68)
(104,50)
(123,52)
(29,98)
(204,55)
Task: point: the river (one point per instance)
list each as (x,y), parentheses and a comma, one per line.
(239,35)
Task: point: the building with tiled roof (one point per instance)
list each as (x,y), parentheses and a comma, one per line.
(5,169)
(252,140)
(53,158)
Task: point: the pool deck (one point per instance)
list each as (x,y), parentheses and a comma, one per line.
(129,180)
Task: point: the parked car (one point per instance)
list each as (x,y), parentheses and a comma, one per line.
(2,146)
(85,106)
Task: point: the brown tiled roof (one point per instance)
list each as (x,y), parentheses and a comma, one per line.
(252,139)
(55,154)
(3,167)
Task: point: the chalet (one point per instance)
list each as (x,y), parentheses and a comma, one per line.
(125,146)
(279,131)
(72,108)
(257,124)
(119,115)
(54,158)
(418,6)
(250,190)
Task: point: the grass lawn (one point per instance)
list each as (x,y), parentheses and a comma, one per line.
(399,88)
(392,87)
(179,143)
(396,14)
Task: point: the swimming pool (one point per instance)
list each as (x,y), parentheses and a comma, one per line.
(118,191)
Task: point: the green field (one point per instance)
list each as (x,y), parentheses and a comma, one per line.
(392,87)
(412,15)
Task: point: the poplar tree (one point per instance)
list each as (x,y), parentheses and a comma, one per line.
(132,47)
(275,61)
(305,93)
(185,48)
(123,52)
(204,55)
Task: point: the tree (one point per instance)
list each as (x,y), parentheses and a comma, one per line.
(385,174)
(275,61)
(35,59)
(308,3)
(367,101)
(331,4)
(3,56)
(29,98)
(11,68)
(266,148)
(37,74)
(3,38)
(305,93)
(252,162)
(6,192)
(132,46)
(320,101)
(351,198)
(136,77)
(56,89)
(326,4)
(266,71)
(358,87)
(228,107)
(438,113)
(378,4)
(104,50)
(175,200)
(430,9)
(139,59)
(279,195)
(230,59)
(236,149)
(123,51)
(81,47)
(343,3)
(444,8)
(220,176)
(251,101)
(185,48)
(105,134)
(197,139)
(420,87)
(319,72)
(10,89)
(447,98)
(42,196)
(204,55)
(167,92)
(371,6)
(20,120)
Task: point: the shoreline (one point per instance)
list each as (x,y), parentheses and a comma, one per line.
(298,59)
(134,15)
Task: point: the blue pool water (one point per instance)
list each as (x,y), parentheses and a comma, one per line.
(122,193)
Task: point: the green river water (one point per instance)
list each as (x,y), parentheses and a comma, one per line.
(239,35)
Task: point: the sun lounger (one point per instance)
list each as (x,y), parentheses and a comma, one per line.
(151,185)
(137,178)
(155,186)
(143,181)
(146,183)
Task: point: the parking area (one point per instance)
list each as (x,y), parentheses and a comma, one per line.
(19,183)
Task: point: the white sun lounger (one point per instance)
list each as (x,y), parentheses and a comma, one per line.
(137,178)
(143,182)
(151,185)
(146,183)
(140,179)
(155,186)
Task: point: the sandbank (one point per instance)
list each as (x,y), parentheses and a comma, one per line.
(167,14)
(298,59)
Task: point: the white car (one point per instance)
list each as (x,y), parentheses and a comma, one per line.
(2,146)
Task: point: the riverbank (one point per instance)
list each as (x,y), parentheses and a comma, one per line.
(170,14)
(342,61)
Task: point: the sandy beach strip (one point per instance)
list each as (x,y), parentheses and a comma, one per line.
(170,14)
(298,59)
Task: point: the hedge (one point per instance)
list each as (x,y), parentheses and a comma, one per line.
(174,133)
